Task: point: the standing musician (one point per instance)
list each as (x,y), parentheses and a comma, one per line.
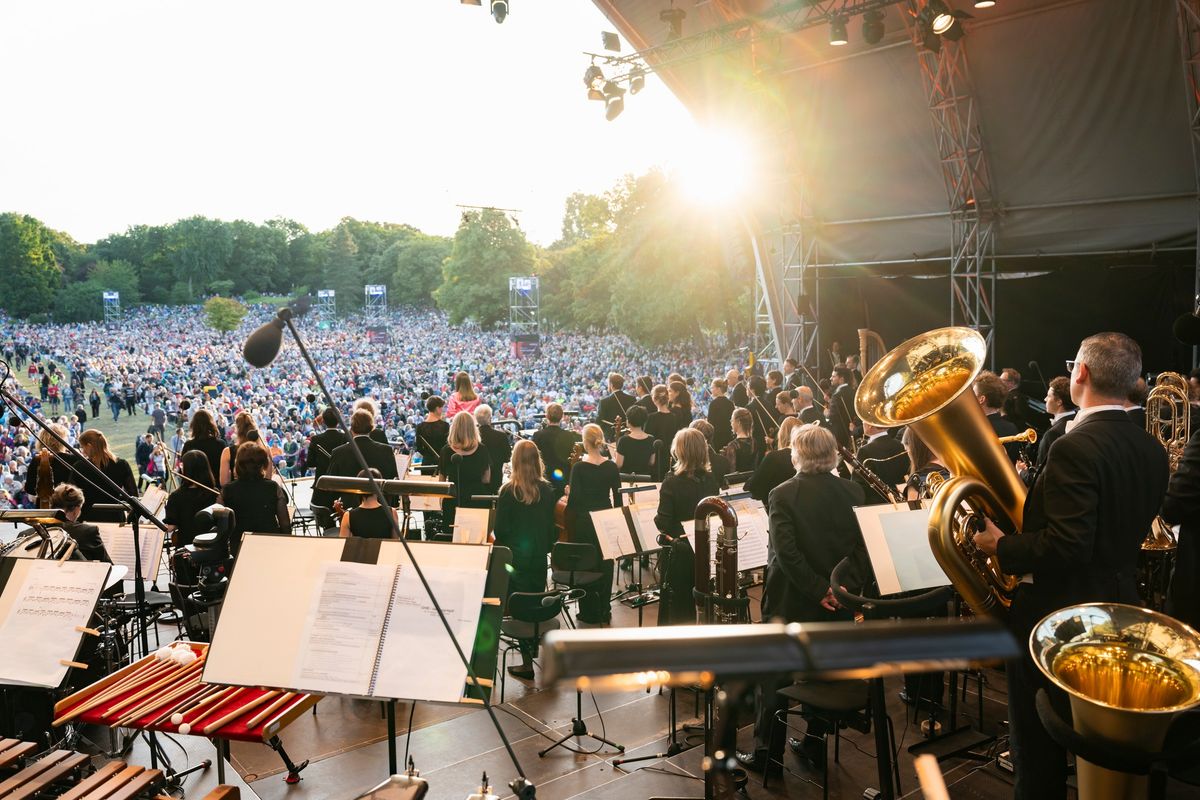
(662,423)
(738,391)
(99,458)
(369,519)
(634,452)
(679,400)
(884,455)
(775,467)
(720,410)
(743,452)
(791,377)
(1062,409)
(1182,507)
(925,471)
(433,431)
(840,411)
(368,404)
(206,438)
(320,451)
(344,463)
(555,444)
(718,464)
(762,413)
(989,391)
(50,467)
(595,485)
(802,403)
(464,462)
(614,405)
(496,441)
(690,482)
(1084,522)
(644,386)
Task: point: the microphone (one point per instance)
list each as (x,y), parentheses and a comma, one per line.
(263,345)
(1187,329)
(1033,365)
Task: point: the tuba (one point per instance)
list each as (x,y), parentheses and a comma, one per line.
(725,583)
(1168,420)
(926,383)
(1128,672)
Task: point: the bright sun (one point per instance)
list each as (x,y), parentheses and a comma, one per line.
(714,168)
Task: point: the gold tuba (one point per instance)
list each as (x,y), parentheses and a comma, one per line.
(1168,420)
(926,383)
(1129,672)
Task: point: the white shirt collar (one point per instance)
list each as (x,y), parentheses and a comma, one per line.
(1060,415)
(1083,413)
(875,436)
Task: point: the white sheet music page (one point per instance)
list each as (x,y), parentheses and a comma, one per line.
(612,532)
(402,461)
(118,541)
(471,525)
(155,499)
(40,630)
(643,525)
(418,661)
(341,633)
(424,502)
(753,534)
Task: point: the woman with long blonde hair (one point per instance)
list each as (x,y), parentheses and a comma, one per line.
(595,485)
(465,462)
(463,398)
(94,446)
(525,525)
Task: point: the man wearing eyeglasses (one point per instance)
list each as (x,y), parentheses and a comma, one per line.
(1084,522)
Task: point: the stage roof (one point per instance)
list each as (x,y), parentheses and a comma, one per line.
(1081,104)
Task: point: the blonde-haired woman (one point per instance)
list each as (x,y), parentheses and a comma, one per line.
(776,466)
(595,485)
(95,449)
(244,430)
(50,467)
(465,462)
(463,398)
(525,525)
(690,481)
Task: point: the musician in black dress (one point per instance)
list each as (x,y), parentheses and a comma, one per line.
(690,482)
(742,452)
(720,411)
(663,422)
(98,458)
(70,499)
(206,438)
(775,467)
(433,431)
(464,461)
(718,465)
(525,525)
(369,519)
(52,465)
(635,450)
(259,504)
(679,400)
(595,483)
(197,491)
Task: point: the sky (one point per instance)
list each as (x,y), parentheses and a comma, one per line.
(128,112)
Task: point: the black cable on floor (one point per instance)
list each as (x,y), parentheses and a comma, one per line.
(412,710)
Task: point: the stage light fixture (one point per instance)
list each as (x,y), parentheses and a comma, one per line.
(610,41)
(499,10)
(614,101)
(872,29)
(674,18)
(593,79)
(637,80)
(984,3)
(837,32)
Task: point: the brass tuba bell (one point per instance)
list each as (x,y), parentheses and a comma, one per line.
(1128,672)
(926,383)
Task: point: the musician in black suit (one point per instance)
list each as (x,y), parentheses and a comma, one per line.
(841,406)
(1016,404)
(762,413)
(555,444)
(69,498)
(720,411)
(1182,507)
(320,451)
(791,374)
(812,528)
(989,391)
(885,456)
(497,444)
(368,404)
(737,388)
(774,386)
(802,402)
(344,463)
(616,404)
(643,387)
(1062,410)
(1084,522)
(1135,404)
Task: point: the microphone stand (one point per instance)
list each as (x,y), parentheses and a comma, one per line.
(521,786)
(136,510)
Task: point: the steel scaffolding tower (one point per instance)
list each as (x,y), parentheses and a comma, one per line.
(112,308)
(326,303)
(375,302)
(523,303)
(1188,15)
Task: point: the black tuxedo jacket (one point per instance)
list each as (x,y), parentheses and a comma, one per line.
(1138,415)
(555,444)
(739,394)
(720,412)
(321,447)
(885,457)
(645,402)
(344,463)
(87,538)
(812,529)
(1003,427)
(841,414)
(499,450)
(1056,430)
(1087,514)
(813,416)
(612,406)
(1182,507)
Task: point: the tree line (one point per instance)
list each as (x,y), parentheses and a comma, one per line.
(637,258)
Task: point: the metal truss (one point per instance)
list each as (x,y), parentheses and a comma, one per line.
(523,302)
(1188,16)
(326,306)
(112,307)
(786,293)
(956,129)
(375,302)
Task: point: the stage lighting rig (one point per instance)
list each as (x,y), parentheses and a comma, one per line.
(872,27)
(614,101)
(674,18)
(637,80)
(837,32)
(593,79)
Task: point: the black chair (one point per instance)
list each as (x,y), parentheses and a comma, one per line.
(574,566)
(527,617)
(323,516)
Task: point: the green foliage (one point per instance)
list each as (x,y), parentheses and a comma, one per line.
(223,314)
(30,271)
(414,266)
(488,250)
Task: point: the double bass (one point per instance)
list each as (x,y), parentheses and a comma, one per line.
(562,521)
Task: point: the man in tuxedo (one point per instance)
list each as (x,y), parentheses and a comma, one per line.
(885,456)
(555,445)
(990,391)
(1016,404)
(643,387)
(1062,410)
(802,402)
(738,391)
(344,463)
(841,406)
(720,412)
(791,375)
(774,386)
(1135,404)
(852,365)
(320,451)
(762,413)
(1084,522)
(616,404)
(499,447)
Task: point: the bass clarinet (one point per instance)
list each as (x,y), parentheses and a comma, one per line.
(725,584)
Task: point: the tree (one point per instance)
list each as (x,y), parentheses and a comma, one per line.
(116,276)
(488,249)
(414,266)
(200,250)
(586,215)
(342,272)
(29,271)
(223,313)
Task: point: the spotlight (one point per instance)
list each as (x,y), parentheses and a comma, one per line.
(837,32)
(499,10)
(593,79)
(614,101)
(637,80)
(984,3)
(872,29)
(673,17)
(610,41)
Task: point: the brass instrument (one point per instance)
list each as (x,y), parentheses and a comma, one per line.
(725,583)
(1168,420)
(1027,436)
(926,383)
(870,348)
(881,487)
(1128,672)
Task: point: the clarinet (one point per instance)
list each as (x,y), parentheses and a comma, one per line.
(884,489)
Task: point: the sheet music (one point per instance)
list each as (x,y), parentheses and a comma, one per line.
(643,525)
(402,461)
(416,634)
(51,601)
(342,631)
(118,541)
(612,532)
(424,502)
(897,541)
(472,525)
(649,497)
(155,499)
(301,492)
(753,539)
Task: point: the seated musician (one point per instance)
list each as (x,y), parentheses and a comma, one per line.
(197,491)
(259,504)
(635,450)
(70,499)
(369,519)
(595,485)
(690,482)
